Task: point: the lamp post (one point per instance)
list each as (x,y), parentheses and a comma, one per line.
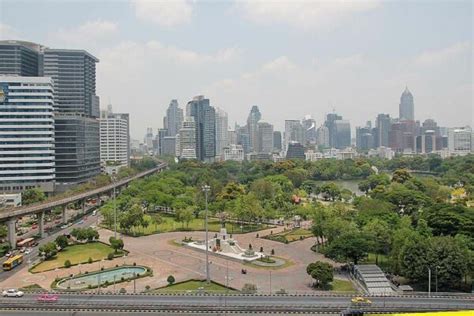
(429,282)
(206,189)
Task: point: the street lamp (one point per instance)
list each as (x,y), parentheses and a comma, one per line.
(429,282)
(206,189)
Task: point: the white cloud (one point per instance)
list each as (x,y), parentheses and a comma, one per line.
(90,31)
(304,14)
(436,57)
(163,12)
(8,32)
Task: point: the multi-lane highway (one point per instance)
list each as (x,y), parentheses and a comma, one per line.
(235,303)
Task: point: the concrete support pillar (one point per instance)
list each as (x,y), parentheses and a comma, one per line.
(12,232)
(83,206)
(64,214)
(41,224)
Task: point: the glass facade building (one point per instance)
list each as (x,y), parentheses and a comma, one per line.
(26,133)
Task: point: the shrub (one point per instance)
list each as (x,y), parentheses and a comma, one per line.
(147,288)
(273,252)
(110,256)
(122,291)
(301,237)
(89,260)
(134,264)
(258,235)
(170,280)
(249,288)
(67,264)
(261,249)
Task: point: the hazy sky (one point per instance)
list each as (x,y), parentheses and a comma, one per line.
(290,58)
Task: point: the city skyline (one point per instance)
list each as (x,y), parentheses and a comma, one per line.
(289,66)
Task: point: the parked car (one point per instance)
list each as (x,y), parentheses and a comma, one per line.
(8,254)
(361,301)
(64,226)
(12,293)
(34,226)
(27,251)
(47,298)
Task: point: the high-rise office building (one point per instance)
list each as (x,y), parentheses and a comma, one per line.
(252,122)
(295,151)
(173,119)
(205,119)
(20,58)
(26,133)
(322,134)
(383,123)
(277,141)
(148,139)
(222,127)
(294,132)
(77,135)
(309,125)
(265,137)
(329,123)
(460,141)
(364,138)
(342,129)
(407,107)
(114,137)
(243,138)
(187,139)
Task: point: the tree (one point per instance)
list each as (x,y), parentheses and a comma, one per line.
(348,247)
(379,234)
(67,263)
(62,241)
(49,249)
(31,196)
(116,243)
(322,272)
(170,280)
(331,190)
(401,175)
(373,181)
(185,216)
(414,258)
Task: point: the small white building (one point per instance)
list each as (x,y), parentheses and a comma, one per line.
(234,152)
(10,200)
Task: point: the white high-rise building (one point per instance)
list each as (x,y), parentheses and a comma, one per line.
(26,133)
(265,137)
(322,136)
(114,137)
(187,139)
(460,140)
(222,127)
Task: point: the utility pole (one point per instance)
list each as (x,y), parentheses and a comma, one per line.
(206,190)
(429,282)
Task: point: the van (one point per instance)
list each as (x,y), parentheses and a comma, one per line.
(94,213)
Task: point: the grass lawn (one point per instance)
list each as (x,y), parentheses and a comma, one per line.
(194,285)
(290,235)
(79,253)
(342,286)
(169,224)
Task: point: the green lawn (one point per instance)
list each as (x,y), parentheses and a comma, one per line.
(342,286)
(194,285)
(79,253)
(290,235)
(169,224)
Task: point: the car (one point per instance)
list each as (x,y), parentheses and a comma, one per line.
(8,254)
(361,301)
(22,250)
(12,293)
(64,226)
(81,222)
(47,298)
(34,226)
(27,251)
(94,213)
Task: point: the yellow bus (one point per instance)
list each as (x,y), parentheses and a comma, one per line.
(12,262)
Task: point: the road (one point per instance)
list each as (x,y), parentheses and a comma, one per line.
(251,303)
(91,220)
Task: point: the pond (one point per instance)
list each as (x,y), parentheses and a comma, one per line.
(352,185)
(91,280)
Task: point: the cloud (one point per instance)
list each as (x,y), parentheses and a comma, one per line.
(88,33)
(303,14)
(8,32)
(162,12)
(437,57)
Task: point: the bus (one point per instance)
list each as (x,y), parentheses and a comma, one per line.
(12,262)
(28,242)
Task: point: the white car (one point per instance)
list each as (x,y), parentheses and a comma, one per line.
(12,293)
(27,251)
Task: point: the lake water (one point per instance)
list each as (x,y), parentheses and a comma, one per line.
(352,185)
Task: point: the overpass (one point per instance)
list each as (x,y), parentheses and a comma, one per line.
(10,215)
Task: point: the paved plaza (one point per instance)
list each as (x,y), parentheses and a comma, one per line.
(161,253)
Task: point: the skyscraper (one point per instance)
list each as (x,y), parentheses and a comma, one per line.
(265,137)
(205,119)
(322,136)
(187,139)
(20,58)
(252,122)
(294,132)
(309,125)
(407,107)
(26,133)
(114,137)
(222,128)
(277,140)
(329,123)
(173,119)
(342,133)
(382,128)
